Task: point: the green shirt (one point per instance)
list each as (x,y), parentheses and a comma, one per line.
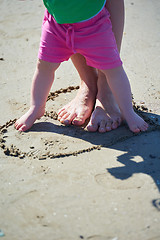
(72,11)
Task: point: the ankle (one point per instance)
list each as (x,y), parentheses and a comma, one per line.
(88,88)
(37,107)
(128,113)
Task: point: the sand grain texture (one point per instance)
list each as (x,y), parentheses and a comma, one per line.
(63,183)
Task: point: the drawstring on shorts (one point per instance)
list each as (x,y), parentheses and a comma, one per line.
(70,37)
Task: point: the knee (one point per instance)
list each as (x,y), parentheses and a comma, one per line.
(47,66)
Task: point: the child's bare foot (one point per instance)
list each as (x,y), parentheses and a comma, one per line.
(136,123)
(120,87)
(26,121)
(106,115)
(79,109)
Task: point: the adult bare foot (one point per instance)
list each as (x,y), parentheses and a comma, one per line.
(106,115)
(26,121)
(104,118)
(80,108)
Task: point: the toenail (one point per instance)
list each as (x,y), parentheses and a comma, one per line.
(66,121)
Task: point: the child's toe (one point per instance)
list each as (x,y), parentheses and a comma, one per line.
(23,128)
(15,125)
(144,127)
(18,125)
(135,129)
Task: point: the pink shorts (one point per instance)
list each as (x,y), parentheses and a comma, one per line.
(93,39)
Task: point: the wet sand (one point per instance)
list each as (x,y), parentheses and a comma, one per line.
(63,183)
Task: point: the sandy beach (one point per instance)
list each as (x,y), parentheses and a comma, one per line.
(61,182)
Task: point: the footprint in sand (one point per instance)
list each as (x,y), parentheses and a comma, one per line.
(122,182)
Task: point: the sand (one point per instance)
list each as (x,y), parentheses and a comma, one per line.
(63,183)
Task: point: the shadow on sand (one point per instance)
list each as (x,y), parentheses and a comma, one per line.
(147,147)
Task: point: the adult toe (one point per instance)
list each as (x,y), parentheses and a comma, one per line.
(108,126)
(102,126)
(78,121)
(114,125)
(92,126)
(64,119)
(62,114)
(69,119)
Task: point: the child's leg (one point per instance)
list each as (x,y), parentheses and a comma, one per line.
(120,86)
(41,84)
